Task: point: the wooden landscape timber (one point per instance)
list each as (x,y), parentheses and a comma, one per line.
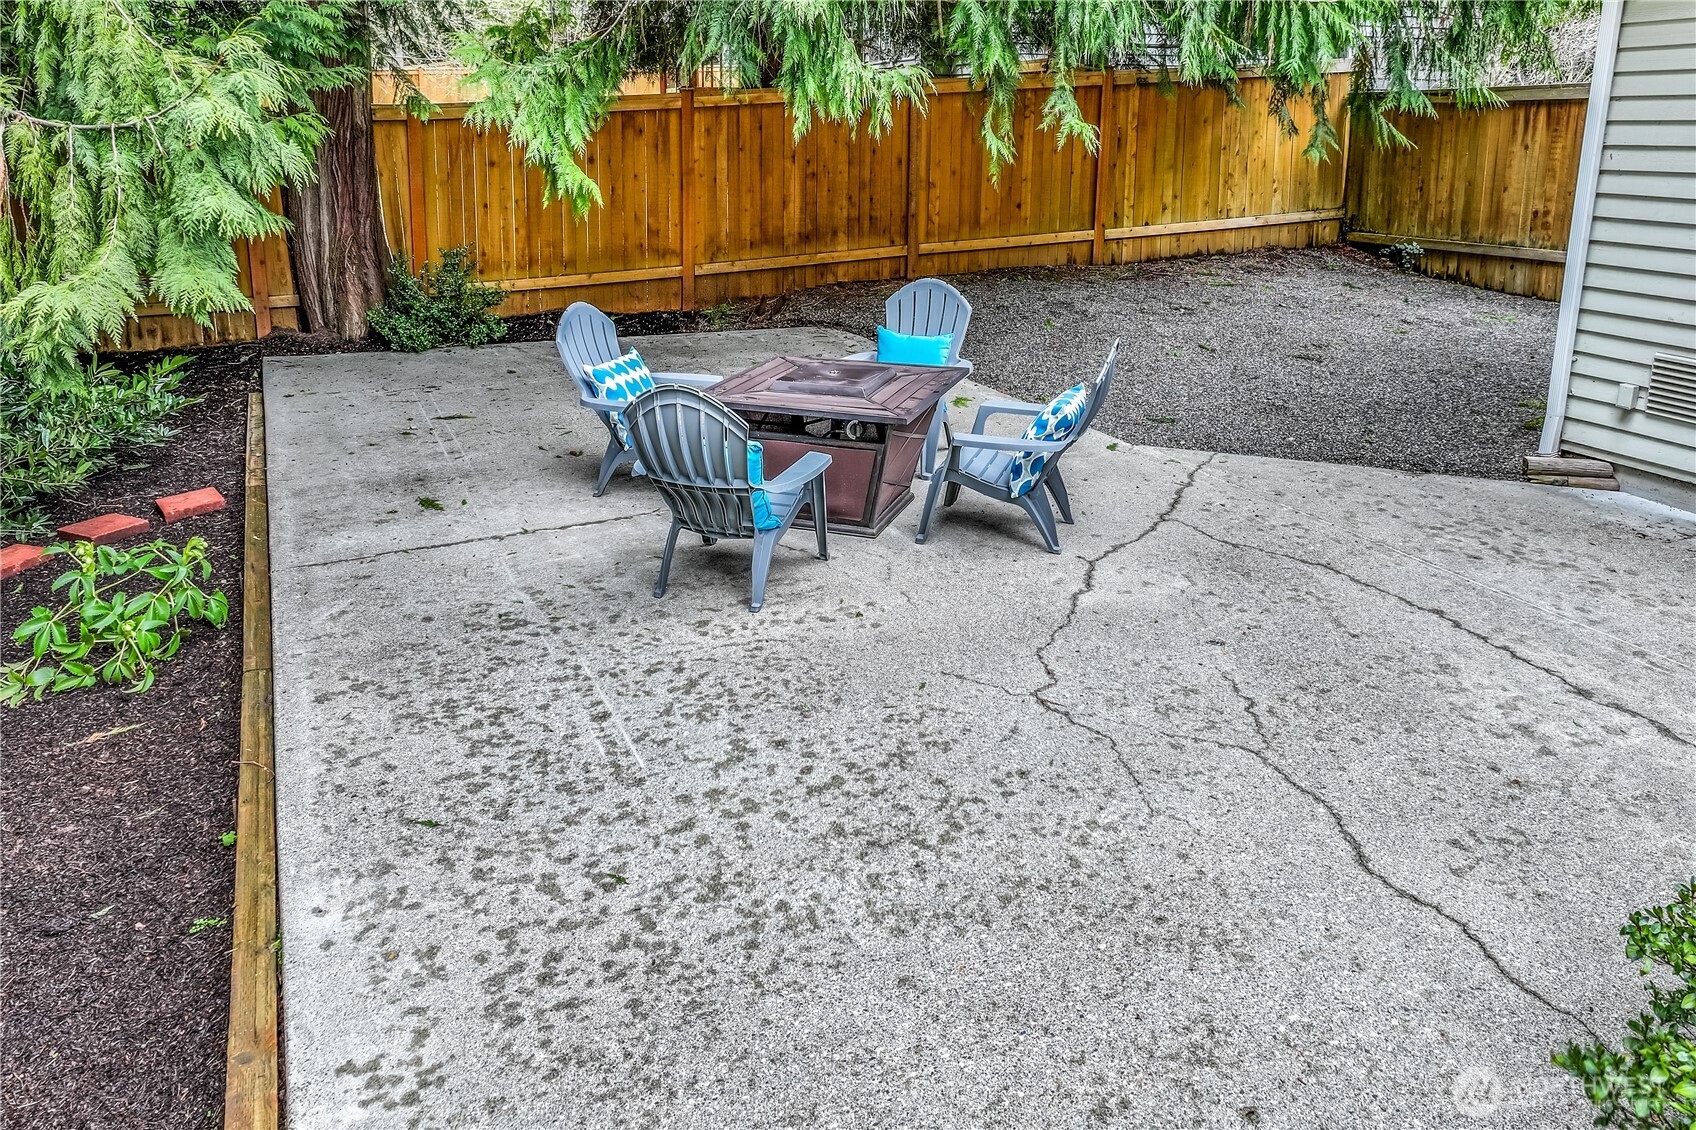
(1568,465)
(708,197)
(252,1070)
(1582,481)
(1570,471)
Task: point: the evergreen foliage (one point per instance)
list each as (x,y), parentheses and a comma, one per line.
(552,67)
(138,139)
(442,305)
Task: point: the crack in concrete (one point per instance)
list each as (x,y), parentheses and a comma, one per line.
(1635,647)
(986,684)
(1362,860)
(1041,695)
(1581,691)
(473,541)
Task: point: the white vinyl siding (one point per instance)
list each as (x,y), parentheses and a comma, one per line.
(1639,292)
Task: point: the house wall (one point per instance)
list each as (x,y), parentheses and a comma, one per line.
(1638,297)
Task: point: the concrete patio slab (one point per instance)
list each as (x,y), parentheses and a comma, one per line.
(1291,795)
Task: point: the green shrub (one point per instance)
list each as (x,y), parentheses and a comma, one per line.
(441,305)
(1650,1079)
(124,612)
(57,430)
(1405,255)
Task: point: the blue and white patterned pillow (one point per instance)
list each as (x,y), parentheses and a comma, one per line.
(1055,422)
(764,519)
(623,380)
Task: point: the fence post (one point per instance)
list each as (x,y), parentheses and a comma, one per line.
(686,191)
(1103,166)
(914,212)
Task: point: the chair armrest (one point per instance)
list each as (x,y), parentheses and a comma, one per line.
(693,380)
(868,355)
(962,363)
(598,405)
(799,473)
(1011,443)
(1004,408)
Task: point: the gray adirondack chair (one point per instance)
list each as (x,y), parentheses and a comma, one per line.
(587,337)
(984,462)
(928,307)
(696,454)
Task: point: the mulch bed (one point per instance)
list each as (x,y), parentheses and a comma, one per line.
(111,807)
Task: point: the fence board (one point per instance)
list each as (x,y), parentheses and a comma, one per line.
(1178,173)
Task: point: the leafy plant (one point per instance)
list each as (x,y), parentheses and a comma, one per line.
(207,924)
(103,633)
(228,839)
(441,305)
(1649,1081)
(56,434)
(723,316)
(1405,255)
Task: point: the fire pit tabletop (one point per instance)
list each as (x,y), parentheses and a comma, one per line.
(831,388)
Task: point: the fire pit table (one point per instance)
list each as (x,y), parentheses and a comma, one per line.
(870,417)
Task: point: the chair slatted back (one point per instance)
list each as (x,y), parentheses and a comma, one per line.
(585,337)
(695,451)
(1103,385)
(929,307)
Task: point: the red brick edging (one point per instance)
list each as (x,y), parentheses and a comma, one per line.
(176,507)
(14,559)
(105,529)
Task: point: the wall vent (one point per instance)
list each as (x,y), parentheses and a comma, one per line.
(1672,387)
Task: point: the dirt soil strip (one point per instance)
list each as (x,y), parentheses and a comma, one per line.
(251,1072)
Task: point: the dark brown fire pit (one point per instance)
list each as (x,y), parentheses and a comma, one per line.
(871,418)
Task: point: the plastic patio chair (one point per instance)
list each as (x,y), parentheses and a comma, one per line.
(928,307)
(984,462)
(698,455)
(587,337)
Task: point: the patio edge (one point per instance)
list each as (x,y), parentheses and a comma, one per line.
(252,1068)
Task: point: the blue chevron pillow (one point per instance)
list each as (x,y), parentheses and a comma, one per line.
(623,380)
(1056,421)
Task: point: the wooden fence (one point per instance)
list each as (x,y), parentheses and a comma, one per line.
(1487,194)
(707,197)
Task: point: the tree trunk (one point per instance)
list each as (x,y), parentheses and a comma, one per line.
(339,253)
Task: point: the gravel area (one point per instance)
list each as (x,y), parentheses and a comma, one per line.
(1322,353)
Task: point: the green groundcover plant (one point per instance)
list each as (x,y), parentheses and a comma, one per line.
(124,612)
(56,434)
(443,304)
(1649,1081)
